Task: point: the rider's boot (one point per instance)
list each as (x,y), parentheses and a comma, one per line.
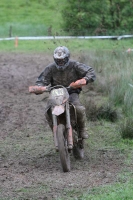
(83,133)
(81,119)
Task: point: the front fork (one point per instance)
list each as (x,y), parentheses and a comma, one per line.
(68,127)
(54,119)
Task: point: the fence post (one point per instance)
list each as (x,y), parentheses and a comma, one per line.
(10,31)
(16,41)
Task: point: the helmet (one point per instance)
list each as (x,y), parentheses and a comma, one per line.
(61,57)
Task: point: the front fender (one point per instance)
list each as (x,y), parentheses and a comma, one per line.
(58,110)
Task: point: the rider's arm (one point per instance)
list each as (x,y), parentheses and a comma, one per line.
(37,89)
(45,77)
(78,84)
(42,81)
(85,73)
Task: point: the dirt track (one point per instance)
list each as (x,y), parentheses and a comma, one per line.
(29,165)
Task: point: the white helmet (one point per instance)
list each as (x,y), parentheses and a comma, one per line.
(61,57)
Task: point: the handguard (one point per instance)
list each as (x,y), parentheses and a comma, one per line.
(37,89)
(78,84)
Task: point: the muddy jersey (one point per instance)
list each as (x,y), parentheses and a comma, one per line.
(73,72)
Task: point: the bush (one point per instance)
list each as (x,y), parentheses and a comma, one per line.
(107,112)
(126,128)
(91,110)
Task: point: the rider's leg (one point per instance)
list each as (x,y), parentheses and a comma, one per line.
(81,115)
(81,120)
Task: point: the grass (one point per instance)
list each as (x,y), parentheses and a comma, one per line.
(30,18)
(104,136)
(33,190)
(105,49)
(126,128)
(118,192)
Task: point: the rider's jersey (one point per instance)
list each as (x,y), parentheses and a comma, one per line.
(73,72)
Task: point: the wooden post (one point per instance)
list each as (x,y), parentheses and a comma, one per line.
(10,31)
(16,41)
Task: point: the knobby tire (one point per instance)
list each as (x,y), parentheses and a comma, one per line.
(63,150)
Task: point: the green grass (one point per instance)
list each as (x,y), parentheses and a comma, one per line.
(117,192)
(29,18)
(75,45)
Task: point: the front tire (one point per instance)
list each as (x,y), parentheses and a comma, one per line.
(63,150)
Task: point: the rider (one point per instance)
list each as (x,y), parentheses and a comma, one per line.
(66,72)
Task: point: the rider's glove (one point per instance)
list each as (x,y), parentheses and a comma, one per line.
(37,89)
(78,83)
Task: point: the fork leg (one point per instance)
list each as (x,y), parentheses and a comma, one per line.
(69,127)
(54,118)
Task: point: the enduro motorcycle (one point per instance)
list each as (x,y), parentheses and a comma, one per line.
(67,139)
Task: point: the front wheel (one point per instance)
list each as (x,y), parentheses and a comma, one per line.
(63,150)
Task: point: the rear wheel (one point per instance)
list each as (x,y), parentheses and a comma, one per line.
(63,150)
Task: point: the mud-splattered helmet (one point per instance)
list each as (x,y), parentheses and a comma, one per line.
(61,57)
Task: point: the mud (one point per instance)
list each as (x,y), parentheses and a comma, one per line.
(29,166)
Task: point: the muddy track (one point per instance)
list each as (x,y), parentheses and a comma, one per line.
(29,166)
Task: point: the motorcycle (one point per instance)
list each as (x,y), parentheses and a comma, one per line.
(67,139)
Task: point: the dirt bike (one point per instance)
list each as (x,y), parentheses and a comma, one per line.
(67,138)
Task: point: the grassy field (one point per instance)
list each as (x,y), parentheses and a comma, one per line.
(30,18)
(117,192)
(75,45)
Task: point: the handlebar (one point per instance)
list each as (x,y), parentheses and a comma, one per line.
(40,89)
(37,89)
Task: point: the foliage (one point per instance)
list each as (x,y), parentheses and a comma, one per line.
(98,17)
(91,110)
(37,18)
(127,106)
(107,112)
(126,128)
(104,112)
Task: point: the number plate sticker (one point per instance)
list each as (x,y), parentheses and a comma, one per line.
(57,92)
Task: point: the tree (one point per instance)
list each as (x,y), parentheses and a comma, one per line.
(97,17)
